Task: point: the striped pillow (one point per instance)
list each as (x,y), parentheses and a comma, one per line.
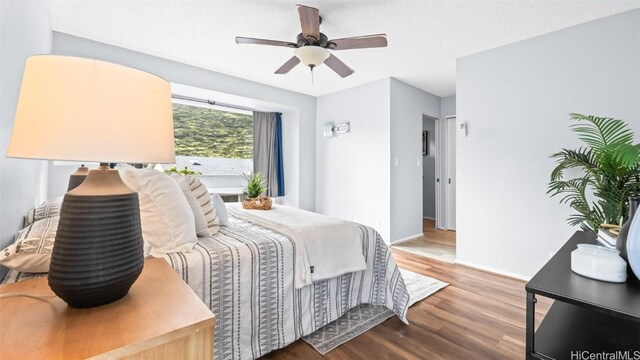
(202,195)
(46,210)
(31,252)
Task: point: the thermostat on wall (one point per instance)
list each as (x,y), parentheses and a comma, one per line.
(327,130)
(463,128)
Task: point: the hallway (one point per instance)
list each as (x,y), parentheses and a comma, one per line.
(435,244)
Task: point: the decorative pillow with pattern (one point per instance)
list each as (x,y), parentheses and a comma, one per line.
(199,190)
(31,252)
(45,210)
(202,228)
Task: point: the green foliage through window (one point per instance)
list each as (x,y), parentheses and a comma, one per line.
(212,133)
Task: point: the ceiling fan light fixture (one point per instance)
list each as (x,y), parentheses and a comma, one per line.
(312,55)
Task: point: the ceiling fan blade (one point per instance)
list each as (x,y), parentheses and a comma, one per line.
(338,66)
(310,21)
(359,42)
(290,64)
(247,40)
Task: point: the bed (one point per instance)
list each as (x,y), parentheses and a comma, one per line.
(244,274)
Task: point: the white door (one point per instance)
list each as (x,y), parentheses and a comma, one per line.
(450,182)
(440,221)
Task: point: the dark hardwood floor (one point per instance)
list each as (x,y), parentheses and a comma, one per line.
(480,315)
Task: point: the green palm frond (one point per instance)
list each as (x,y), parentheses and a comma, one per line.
(610,166)
(566,159)
(629,155)
(602,133)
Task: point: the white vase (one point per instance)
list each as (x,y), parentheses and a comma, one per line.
(633,245)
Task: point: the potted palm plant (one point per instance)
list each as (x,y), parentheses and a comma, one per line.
(256,186)
(609,166)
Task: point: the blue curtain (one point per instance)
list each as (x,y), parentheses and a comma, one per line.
(278,155)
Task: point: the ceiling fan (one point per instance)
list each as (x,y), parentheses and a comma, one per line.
(312,46)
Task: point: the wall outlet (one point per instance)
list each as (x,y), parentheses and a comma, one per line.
(396,161)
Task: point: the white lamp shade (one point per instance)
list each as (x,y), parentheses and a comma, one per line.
(78,109)
(312,55)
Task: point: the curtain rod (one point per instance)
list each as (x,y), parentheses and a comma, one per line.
(216,103)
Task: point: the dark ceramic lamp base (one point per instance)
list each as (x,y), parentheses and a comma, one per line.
(98,251)
(77,177)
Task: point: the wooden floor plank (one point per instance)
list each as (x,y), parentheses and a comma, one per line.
(480,315)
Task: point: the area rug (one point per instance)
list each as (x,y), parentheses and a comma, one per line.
(364,317)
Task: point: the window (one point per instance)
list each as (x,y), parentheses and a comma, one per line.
(213,141)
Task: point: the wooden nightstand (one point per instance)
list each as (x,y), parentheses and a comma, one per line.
(160,318)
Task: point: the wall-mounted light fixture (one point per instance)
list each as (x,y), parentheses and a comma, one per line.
(328,129)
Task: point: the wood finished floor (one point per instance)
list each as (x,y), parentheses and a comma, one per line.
(480,315)
(436,244)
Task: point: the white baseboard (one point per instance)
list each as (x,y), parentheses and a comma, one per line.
(429,218)
(396,242)
(493,270)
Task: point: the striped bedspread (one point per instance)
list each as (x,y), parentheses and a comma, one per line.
(245,275)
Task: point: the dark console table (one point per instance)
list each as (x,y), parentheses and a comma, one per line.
(588,316)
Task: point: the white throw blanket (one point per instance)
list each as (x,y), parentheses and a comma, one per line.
(326,247)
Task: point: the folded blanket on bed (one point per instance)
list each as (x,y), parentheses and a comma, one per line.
(326,247)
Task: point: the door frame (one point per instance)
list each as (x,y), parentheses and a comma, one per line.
(446,204)
(440,222)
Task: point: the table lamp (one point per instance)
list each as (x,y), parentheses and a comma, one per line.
(77,177)
(76,109)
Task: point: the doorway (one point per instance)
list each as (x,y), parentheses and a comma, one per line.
(438,188)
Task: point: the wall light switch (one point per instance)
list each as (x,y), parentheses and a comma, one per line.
(396,161)
(418,163)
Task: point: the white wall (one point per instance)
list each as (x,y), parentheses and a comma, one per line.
(357,178)
(353,174)
(302,107)
(408,105)
(515,100)
(24,31)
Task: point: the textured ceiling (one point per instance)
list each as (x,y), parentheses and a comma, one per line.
(425,37)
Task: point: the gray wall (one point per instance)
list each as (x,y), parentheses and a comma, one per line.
(516,100)
(429,170)
(408,105)
(24,31)
(64,44)
(448,106)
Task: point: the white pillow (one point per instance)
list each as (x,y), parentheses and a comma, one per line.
(202,229)
(221,209)
(168,224)
(31,252)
